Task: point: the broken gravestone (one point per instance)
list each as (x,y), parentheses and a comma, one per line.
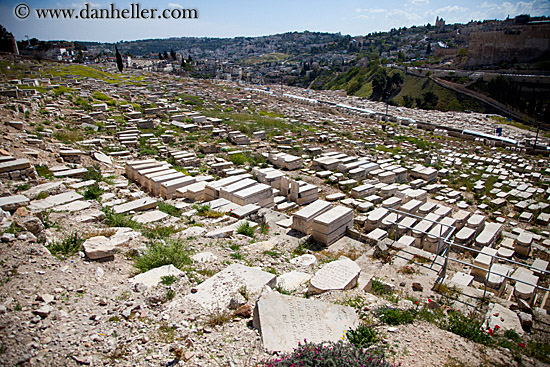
(341,274)
(153,277)
(284,321)
(216,292)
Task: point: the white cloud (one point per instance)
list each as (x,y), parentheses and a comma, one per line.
(420,2)
(175,5)
(371,11)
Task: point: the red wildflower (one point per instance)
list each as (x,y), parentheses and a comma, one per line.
(522,345)
(497,327)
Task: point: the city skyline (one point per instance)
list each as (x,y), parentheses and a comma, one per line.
(249,18)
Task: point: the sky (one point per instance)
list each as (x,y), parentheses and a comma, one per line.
(217,18)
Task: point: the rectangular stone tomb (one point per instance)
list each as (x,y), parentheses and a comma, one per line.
(52,201)
(168,188)
(285,321)
(226,192)
(331,225)
(302,220)
(253,194)
(212,189)
(136,205)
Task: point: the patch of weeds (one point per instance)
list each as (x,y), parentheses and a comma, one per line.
(167,333)
(23,187)
(283,290)
(362,337)
(93,192)
(303,247)
(264,228)
(273,253)
(217,318)
(170,294)
(42,195)
(168,280)
(408,270)
(468,327)
(333,354)
(245,229)
(159,232)
(380,289)
(43,171)
(204,210)
(68,136)
(237,255)
(114,319)
(445,290)
(94,173)
(119,220)
(157,254)
(66,247)
(394,316)
(168,209)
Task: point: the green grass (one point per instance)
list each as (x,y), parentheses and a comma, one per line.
(157,254)
(66,247)
(245,229)
(43,171)
(168,209)
(159,232)
(394,316)
(67,136)
(119,220)
(93,192)
(168,280)
(362,337)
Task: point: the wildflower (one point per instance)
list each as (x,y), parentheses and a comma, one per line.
(522,345)
(497,327)
(429,300)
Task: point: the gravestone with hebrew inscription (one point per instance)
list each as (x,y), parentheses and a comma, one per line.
(337,275)
(284,321)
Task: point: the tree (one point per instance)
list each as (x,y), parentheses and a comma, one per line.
(408,101)
(160,56)
(429,49)
(6,40)
(172,54)
(430,100)
(165,55)
(119,64)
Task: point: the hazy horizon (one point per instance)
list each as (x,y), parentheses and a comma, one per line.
(246,18)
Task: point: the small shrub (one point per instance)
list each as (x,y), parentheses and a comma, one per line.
(378,288)
(394,316)
(237,159)
(168,280)
(67,247)
(217,318)
(362,337)
(237,255)
(170,294)
(94,173)
(159,232)
(329,355)
(159,254)
(42,195)
(23,187)
(264,228)
(43,171)
(245,229)
(93,192)
(169,209)
(467,327)
(119,220)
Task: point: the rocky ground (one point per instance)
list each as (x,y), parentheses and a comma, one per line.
(70,310)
